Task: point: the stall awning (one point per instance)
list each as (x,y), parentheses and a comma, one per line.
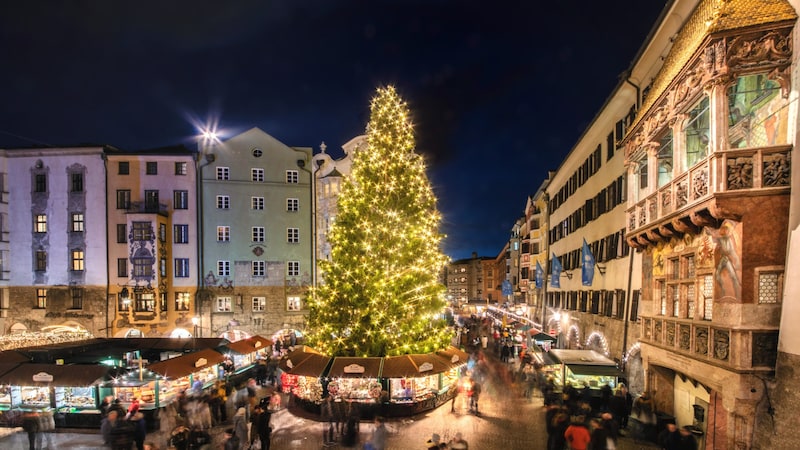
(608,371)
(353,367)
(454,356)
(184,365)
(305,361)
(250,345)
(413,366)
(55,375)
(539,336)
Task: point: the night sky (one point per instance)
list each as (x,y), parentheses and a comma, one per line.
(499,91)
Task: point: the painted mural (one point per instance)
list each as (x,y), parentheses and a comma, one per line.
(715,249)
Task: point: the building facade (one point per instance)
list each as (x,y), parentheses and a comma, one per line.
(256,228)
(152,242)
(55,232)
(708,167)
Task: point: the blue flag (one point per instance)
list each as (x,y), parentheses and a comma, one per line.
(555,273)
(587,268)
(539,275)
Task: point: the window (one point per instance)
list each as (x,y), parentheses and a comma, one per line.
(77,182)
(258,268)
(162,232)
(144,302)
(77,260)
(41,260)
(181,267)
(223,173)
(676,301)
(162,301)
(770,286)
(77,297)
(293,235)
(123,198)
(124,303)
(182,301)
(123,168)
(257,175)
(223,201)
(41,298)
(224,304)
(143,264)
(122,267)
(754,110)
(259,304)
(180,234)
(77,222)
(662,295)
(142,231)
(293,303)
(696,133)
(258,234)
(40,182)
(151,201)
(292,176)
(665,162)
(40,223)
(223,233)
(180,199)
(151,168)
(180,168)
(257,203)
(223,268)
(293,268)
(708,297)
(122,233)
(257,152)
(292,204)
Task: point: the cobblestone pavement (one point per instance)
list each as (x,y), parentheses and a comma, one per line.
(507,422)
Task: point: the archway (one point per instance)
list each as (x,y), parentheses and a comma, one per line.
(573,338)
(634,370)
(597,342)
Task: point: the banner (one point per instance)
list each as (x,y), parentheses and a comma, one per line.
(555,273)
(538,276)
(587,268)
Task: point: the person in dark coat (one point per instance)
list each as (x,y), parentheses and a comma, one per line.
(139,430)
(264,428)
(30,423)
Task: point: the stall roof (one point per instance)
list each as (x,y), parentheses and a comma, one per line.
(66,375)
(249,345)
(13,356)
(184,365)
(413,365)
(354,367)
(305,361)
(582,357)
(454,356)
(539,336)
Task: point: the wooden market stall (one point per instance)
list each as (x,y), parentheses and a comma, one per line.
(185,372)
(70,392)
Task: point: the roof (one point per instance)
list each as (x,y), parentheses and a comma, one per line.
(582,357)
(55,375)
(249,345)
(455,356)
(305,361)
(355,367)
(184,365)
(414,365)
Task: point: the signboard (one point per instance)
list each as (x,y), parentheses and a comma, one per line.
(424,367)
(43,377)
(200,362)
(354,368)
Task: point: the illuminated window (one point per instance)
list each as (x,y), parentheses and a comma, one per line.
(40,223)
(142,231)
(180,168)
(41,298)
(259,303)
(77,260)
(293,303)
(182,301)
(77,222)
(224,304)
(145,302)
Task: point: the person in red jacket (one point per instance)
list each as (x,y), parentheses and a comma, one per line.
(577,435)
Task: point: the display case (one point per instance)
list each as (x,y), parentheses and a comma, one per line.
(413,389)
(31,396)
(72,399)
(357,389)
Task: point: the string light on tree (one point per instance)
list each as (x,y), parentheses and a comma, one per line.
(382,294)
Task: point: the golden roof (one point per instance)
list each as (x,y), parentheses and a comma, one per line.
(713,17)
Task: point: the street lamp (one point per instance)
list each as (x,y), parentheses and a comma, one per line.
(195,322)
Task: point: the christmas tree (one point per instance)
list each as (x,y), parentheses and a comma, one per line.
(381,293)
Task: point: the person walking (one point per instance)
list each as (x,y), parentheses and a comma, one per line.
(577,435)
(378,439)
(473,399)
(240,427)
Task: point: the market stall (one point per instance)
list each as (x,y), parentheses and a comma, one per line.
(301,371)
(582,368)
(244,352)
(189,371)
(71,391)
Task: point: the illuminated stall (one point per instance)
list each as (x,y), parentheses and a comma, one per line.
(582,368)
(245,352)
(198,369)
(70,390)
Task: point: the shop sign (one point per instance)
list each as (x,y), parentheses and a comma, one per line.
(424,367)
(257,344)
(454,359)
(200,362)
(43,377)
(354,368)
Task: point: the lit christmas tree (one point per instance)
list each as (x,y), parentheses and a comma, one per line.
(381,293)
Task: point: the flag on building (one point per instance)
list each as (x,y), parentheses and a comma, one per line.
(555,273)
(587,267)
(539,275)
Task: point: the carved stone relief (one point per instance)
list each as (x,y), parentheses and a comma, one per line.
(740,173)
(684,337)
(721,344)
(701,340)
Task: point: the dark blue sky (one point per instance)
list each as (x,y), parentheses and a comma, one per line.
(500,91)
